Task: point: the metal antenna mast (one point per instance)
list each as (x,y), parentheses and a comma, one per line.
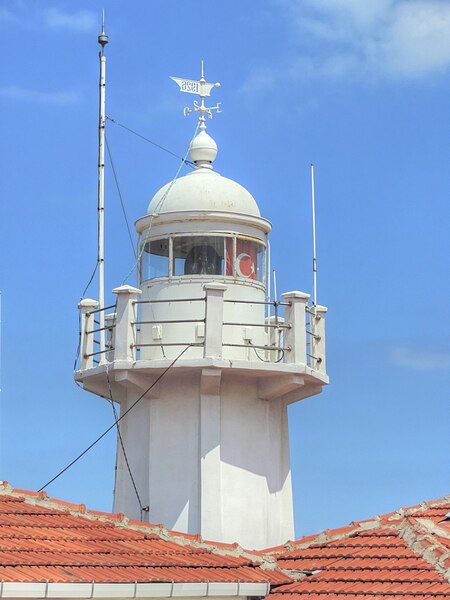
(0,340)
(102,40)
(313,203)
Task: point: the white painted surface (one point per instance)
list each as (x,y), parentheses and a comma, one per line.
(206,221)
(218,590)
(216,464)
(204,189)
(203,148)
(318,341)
(86,307)
(186,333)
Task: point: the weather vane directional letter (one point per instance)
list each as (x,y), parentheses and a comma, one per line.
(202,89)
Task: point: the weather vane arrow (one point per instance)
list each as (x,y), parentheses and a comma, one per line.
(201,88)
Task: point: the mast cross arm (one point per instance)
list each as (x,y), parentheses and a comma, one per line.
(208,110)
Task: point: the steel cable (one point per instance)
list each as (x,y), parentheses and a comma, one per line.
(101,436)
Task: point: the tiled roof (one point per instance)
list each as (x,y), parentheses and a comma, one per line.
(46,540)
(400,555)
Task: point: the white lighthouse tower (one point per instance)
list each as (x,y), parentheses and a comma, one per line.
(203,363)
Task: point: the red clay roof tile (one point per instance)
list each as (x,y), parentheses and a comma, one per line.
(42,539)
(402,555)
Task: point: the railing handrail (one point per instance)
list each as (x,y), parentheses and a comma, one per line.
(318,358)
(102,328)
(274,304)
(165,322)
(163,345)
(274,325)
(97,310)
(284,349)
(99,352)
(312,334)
(170,300)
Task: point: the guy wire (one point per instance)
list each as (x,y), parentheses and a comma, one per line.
(137,258)
(101,436)
(120,195)
(188,162)
(119,435)
(160,203)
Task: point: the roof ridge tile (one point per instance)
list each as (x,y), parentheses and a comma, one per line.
(426,546)
(387,520)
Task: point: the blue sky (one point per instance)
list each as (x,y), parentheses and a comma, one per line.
(361,89)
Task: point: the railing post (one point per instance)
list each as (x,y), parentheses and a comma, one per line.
(214,319)
(276,337)
(86,307)
(295,317)
(318,339)
(125,336)
(110,322)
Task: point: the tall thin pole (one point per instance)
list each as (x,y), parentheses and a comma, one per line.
(268,277)
(102,40)
(313,203)
(0,341)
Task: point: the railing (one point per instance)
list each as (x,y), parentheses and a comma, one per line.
(296,337)
(315,357)
(140,326)
(275,349)
(89,355)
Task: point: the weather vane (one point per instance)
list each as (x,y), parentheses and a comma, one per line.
(202,89)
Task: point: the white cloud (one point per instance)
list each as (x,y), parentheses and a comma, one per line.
(57,98)
(417,42)
(361,39)
(81,20)
(346,14)
(420,359)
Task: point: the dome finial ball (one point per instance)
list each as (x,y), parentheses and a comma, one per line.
(203,150)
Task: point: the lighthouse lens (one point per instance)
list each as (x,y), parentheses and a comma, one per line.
(198,255)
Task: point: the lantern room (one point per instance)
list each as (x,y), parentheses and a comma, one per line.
(202,228)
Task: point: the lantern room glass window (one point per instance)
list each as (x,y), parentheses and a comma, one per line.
(239,257)
(247,260)
(155,260)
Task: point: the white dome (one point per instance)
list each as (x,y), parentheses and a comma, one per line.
(204,189)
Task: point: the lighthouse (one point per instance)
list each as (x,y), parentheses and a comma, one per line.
(203,362)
